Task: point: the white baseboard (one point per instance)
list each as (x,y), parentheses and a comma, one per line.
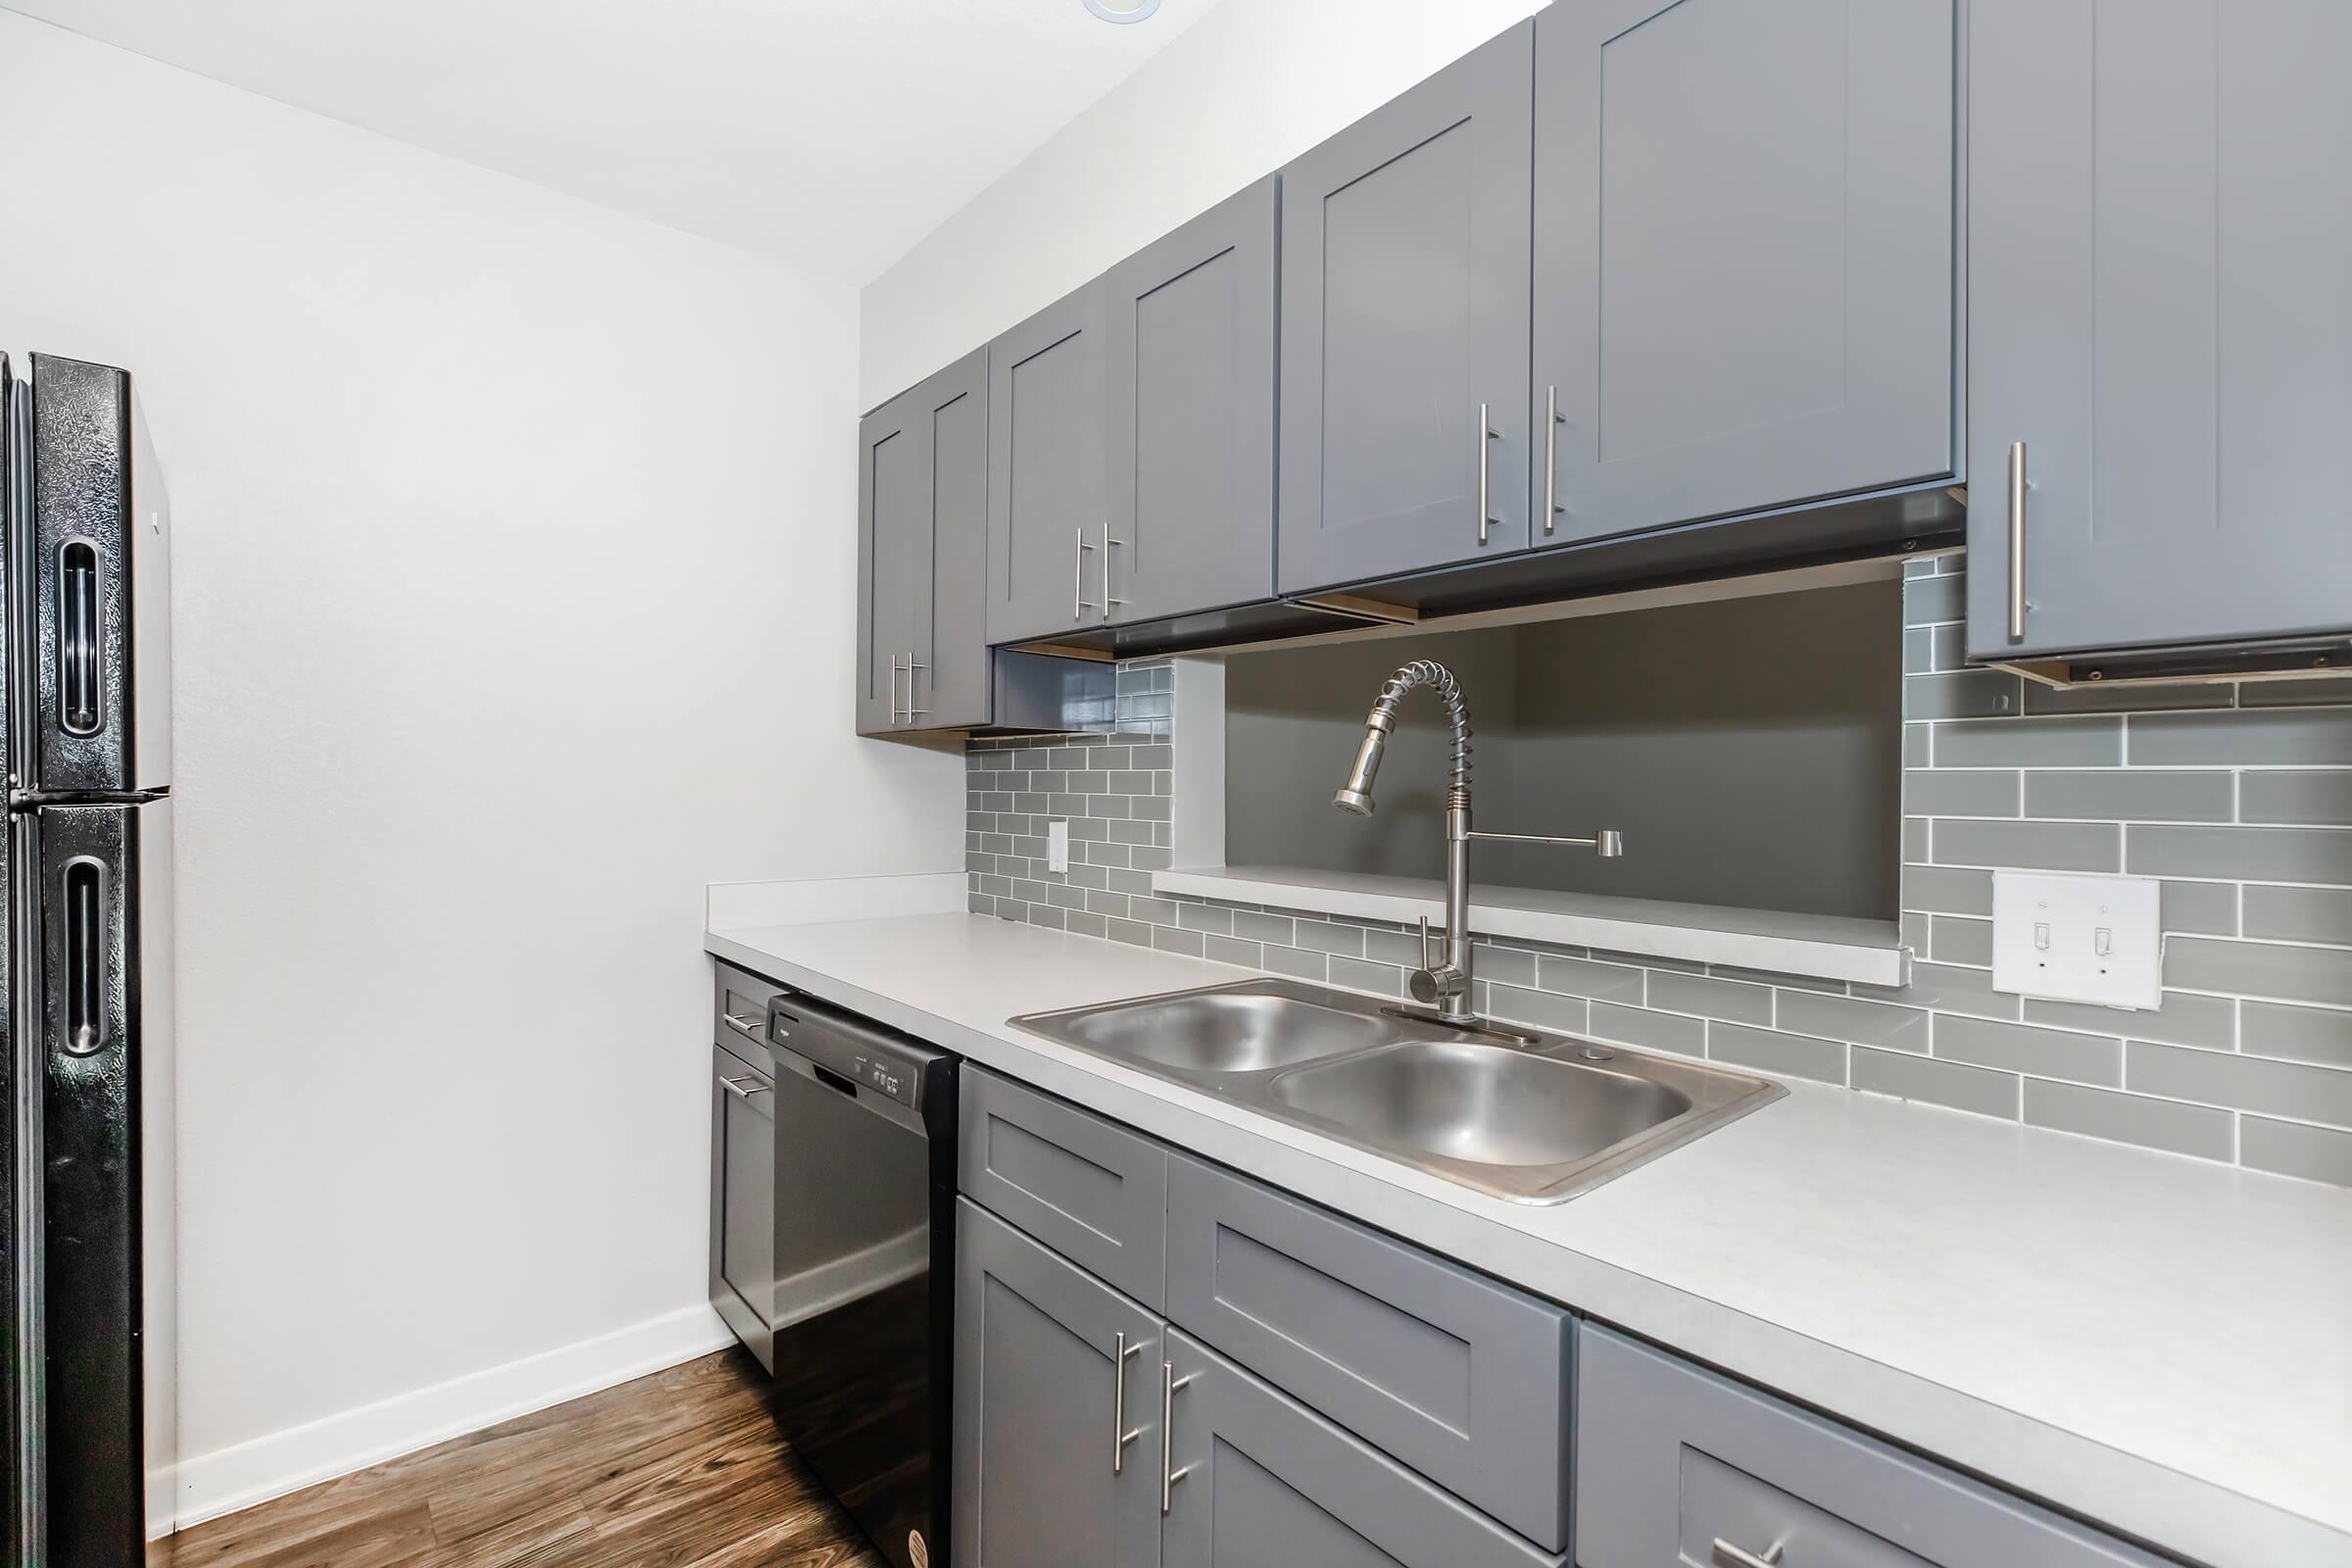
(229,1479)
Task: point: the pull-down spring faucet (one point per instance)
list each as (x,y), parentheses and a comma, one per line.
(1443,980)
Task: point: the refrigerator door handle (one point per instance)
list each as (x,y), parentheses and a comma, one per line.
(79,679)
(85,955)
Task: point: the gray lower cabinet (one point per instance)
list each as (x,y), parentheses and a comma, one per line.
(1058,1384)
(1258,1481)
(1405,314)
(922,509)
(742,1195)
(1046,537)
(1188,409)
(1090,1189)
(2160,231)
(1744,256)
(1465,1380)
(1676,1464)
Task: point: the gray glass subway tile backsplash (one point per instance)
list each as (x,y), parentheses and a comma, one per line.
(2238,795)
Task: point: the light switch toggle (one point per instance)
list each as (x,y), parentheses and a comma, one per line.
(2096,940)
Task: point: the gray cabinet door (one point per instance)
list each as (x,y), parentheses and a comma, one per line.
(1744,257)
(1045,471)
(1673,1459)
(922,540)
(1257,1481)
(743,1198)
(951,689)
(1189,350)
(1057,1411)
(894,558)
(2160,231)
(1463,1379)
(1405,310)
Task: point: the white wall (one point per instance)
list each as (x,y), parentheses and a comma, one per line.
(1252,84)
(514,570)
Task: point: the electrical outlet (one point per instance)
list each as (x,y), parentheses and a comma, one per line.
(2089,938)
(1058,846)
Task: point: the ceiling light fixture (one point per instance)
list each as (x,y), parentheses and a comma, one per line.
(1122,10)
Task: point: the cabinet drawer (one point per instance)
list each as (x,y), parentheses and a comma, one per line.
(1258,1480)
(1465,1380)
(739,1011)
(1089,1189)
(1672,1459)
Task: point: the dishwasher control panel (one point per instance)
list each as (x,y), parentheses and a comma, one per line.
(849,1046)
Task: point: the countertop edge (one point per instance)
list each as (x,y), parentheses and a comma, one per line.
(2176,1512)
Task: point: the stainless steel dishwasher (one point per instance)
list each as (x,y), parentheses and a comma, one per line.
(863,1316)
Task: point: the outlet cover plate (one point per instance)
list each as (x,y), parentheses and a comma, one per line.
(1058,846)
(2096,940)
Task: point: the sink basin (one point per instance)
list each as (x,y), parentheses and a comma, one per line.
(1532,1118)
(1489,1105)
(1222,1032)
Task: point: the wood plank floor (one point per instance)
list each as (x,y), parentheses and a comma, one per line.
(682,1469)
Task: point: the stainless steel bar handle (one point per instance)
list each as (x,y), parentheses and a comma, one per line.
(1120,1437)
(1551,456)
(735,1087)
(2017,541)
(1108,545)
(912,667)
(894,688)
(1487,436)
(1731,1556)
(1079,603)
(749,1026)
(1169,1383)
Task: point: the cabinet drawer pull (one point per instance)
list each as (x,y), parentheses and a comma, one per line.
(735,1087)
(1169,1383)
(1731,1556)
(1120,1437)
(749,1026)
(912,667)
(2017,541)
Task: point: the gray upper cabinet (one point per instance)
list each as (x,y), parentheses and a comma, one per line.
(1189,403)
(1744,257)
(1257,1481)
(922,510)
(1404,312)
(1057,1411)
(2160,231)
(1045,556)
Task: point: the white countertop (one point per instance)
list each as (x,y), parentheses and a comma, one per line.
(1831,947)
(2158,1344)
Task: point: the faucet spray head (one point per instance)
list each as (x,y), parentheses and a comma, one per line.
(1355,796)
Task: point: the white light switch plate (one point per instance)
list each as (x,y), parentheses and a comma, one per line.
(1058,846)
(2089,938)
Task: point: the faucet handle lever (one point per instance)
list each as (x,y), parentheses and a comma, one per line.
(1429,960)
(1608,841)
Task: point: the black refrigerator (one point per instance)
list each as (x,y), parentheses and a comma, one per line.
(86,863)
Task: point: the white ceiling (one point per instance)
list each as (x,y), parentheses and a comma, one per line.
(828,133)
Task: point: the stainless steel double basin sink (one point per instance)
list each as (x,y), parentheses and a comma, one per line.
(1530,1117)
